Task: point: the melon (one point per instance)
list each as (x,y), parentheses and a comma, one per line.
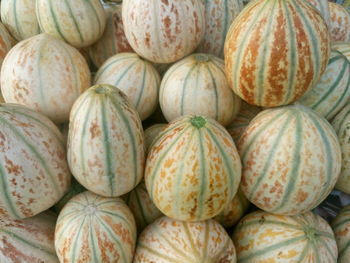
(136,77)
(323,7)
(197,85)
(92,228)
(275,51)
(341,228)
(193,169)
(262,237)
(340,23)
(219,15)
(6,43)
(168,240)
(163,31)
(79,23)
(105,142)
(46,75)
(34,174)
(332,92)
(151,133)
(291,160)
(342,47)
(19,17)
(29,240)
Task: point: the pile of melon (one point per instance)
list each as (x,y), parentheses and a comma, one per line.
(173,131)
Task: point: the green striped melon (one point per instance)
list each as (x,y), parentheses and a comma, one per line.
(218,16)
(113,40)
(342,47)
(19,17)
(197,85)
(341,228)
(34,173)
(163,31)
(275,51)
(168,240)
(44,74)
(261,237)
(136,77)
(291,160)
(144,210)
(233,212)
(92,228)
(341,124)
(29,240)
(332,92)
(340,22)
(79,23)
(74,189)
(193,169)
(323,7)
(151,133)
(246,113)
(105,142)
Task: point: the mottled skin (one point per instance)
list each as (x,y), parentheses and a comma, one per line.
(323,7)
(261,237)
(163,31)
(151,133)
(168,240)
(34,170)
(340,22)
(275,51)
(91,229)
(113,40)
(29,240)
(19,18)
(291,159)
(341,228)
(193,169)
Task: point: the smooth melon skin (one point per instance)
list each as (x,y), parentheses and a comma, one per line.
(34,170)
(340,23)
(341,228)
(291,160)
(341,124)
(29,240)
(44,74)
(172,241)
(80,23)
(275,51)
(262,237)
(92,228)
(163,31)
(332,92)
(19,17)
(193,169)
(105,142)
(197,85)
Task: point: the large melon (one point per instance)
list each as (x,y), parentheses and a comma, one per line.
(163,31)
(29,240)
(197,85)
(80,23)
(341,124)
(332,92)
(136,77)
(275,51)
(19,17)
(113,40)
(44,74)
(105,142)
(193,169)
(168,240)
(341,228)
(340,23)
(261,237)
(219,15)
(92,229)
(291,160)
(34,173)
